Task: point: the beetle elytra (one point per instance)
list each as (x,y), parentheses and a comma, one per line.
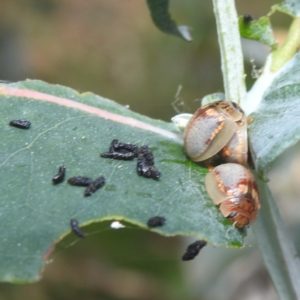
(233,187)
(217,127)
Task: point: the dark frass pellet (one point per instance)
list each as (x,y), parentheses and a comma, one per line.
(156,221)
(121,151)
(147,154)
(80,181)
(60,176)
(23,124)
(145,158)
(147,171)
(145,164)
(117,146)
(118,155)
(76,229)
(94,186)
(193,250)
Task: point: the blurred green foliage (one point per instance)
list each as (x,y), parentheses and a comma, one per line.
(113,49)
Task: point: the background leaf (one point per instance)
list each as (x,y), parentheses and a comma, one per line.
(274,127)
(277,247)
(159,10)
(290,7)
(74,132)
(258,30)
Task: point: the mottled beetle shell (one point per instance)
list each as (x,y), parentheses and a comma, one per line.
(233,187)
(221,128)
(218,127)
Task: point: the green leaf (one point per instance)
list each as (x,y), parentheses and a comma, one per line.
(72,129)
(274,127)
(258,30)
(159,10)
(290,7)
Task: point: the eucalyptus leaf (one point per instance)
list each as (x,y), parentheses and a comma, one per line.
(159,10)
(258,30)
(72,129)
(274,126)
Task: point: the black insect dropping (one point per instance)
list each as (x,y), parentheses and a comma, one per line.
(156,221)
(247,18)
(124,151)
(146,154)
(80,181)
(76,229)
(59,177)
(23,124)
(94,186)
(121,151)
(147,171)
(119,155)
(193,250)
(116,145)
(145,164)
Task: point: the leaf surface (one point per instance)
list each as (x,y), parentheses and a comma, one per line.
(72,129)
(275,127)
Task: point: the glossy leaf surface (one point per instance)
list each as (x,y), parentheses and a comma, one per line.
(72,129)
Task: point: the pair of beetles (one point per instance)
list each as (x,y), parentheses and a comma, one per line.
(219,130)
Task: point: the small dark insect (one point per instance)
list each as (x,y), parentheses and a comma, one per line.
(75,228)
(94,186)
(80,181)
(156,221)
(59,177)
(145,164)
(23,124)
(193,250)
(119,155)
(248,18)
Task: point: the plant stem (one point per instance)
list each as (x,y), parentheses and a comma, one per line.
(288,49)
(231,50)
